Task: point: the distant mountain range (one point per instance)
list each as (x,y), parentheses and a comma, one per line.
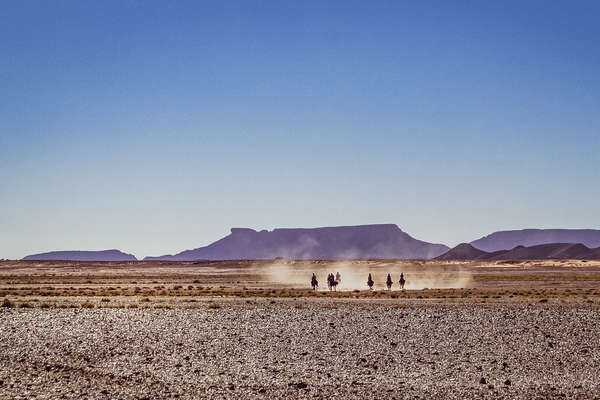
(103,255)
(506,240)
(555,251)
(330,243)
(361,242)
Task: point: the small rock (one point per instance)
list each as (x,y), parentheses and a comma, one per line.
(301,385)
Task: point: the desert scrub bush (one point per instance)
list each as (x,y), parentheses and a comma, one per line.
(214,306)
(145,300)
(25,305)
(88,304)
(7,303)
(45,305)
(133,306)
(105,300)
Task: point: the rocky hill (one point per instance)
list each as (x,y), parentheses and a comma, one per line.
(328,243)
(102,255)
(506,240)
(463,251)
(557,251)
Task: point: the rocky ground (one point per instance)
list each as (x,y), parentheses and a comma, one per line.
(302,348)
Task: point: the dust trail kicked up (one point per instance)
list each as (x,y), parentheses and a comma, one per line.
(354,275)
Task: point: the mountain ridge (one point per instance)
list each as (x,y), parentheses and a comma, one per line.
(509,239)
(337,242)
(554,251)
(82,255)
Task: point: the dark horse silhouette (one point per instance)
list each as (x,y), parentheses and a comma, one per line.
(331,282)
(314,282)
(402,281)
(389,282)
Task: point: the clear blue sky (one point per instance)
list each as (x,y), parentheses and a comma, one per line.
(155,126)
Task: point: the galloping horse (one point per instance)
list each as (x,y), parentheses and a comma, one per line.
(331,282)
(389,282)
(402,281)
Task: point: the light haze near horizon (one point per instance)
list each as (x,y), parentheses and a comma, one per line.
(154,127)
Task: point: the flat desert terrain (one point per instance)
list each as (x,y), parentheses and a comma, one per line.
(243,329)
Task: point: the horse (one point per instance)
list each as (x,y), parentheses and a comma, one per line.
(314,282)
(389,282)
(402,281)
(331,282)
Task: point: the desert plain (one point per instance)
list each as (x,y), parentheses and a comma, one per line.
(256,329)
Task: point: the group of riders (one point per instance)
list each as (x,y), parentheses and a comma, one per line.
(334,280)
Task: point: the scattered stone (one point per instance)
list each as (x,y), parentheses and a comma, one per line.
(80,353)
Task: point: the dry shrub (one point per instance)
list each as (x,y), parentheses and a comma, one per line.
(7,303)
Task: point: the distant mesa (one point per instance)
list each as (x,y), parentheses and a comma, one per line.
(555,251)
(328,243)
(102,255)
(507,240)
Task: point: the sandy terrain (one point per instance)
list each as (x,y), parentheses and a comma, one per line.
(255,330)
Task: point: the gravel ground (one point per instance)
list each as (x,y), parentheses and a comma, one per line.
(302,349)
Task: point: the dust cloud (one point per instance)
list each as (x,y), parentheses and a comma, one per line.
(354,275)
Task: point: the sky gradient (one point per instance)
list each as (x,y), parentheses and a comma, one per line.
(155,126)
